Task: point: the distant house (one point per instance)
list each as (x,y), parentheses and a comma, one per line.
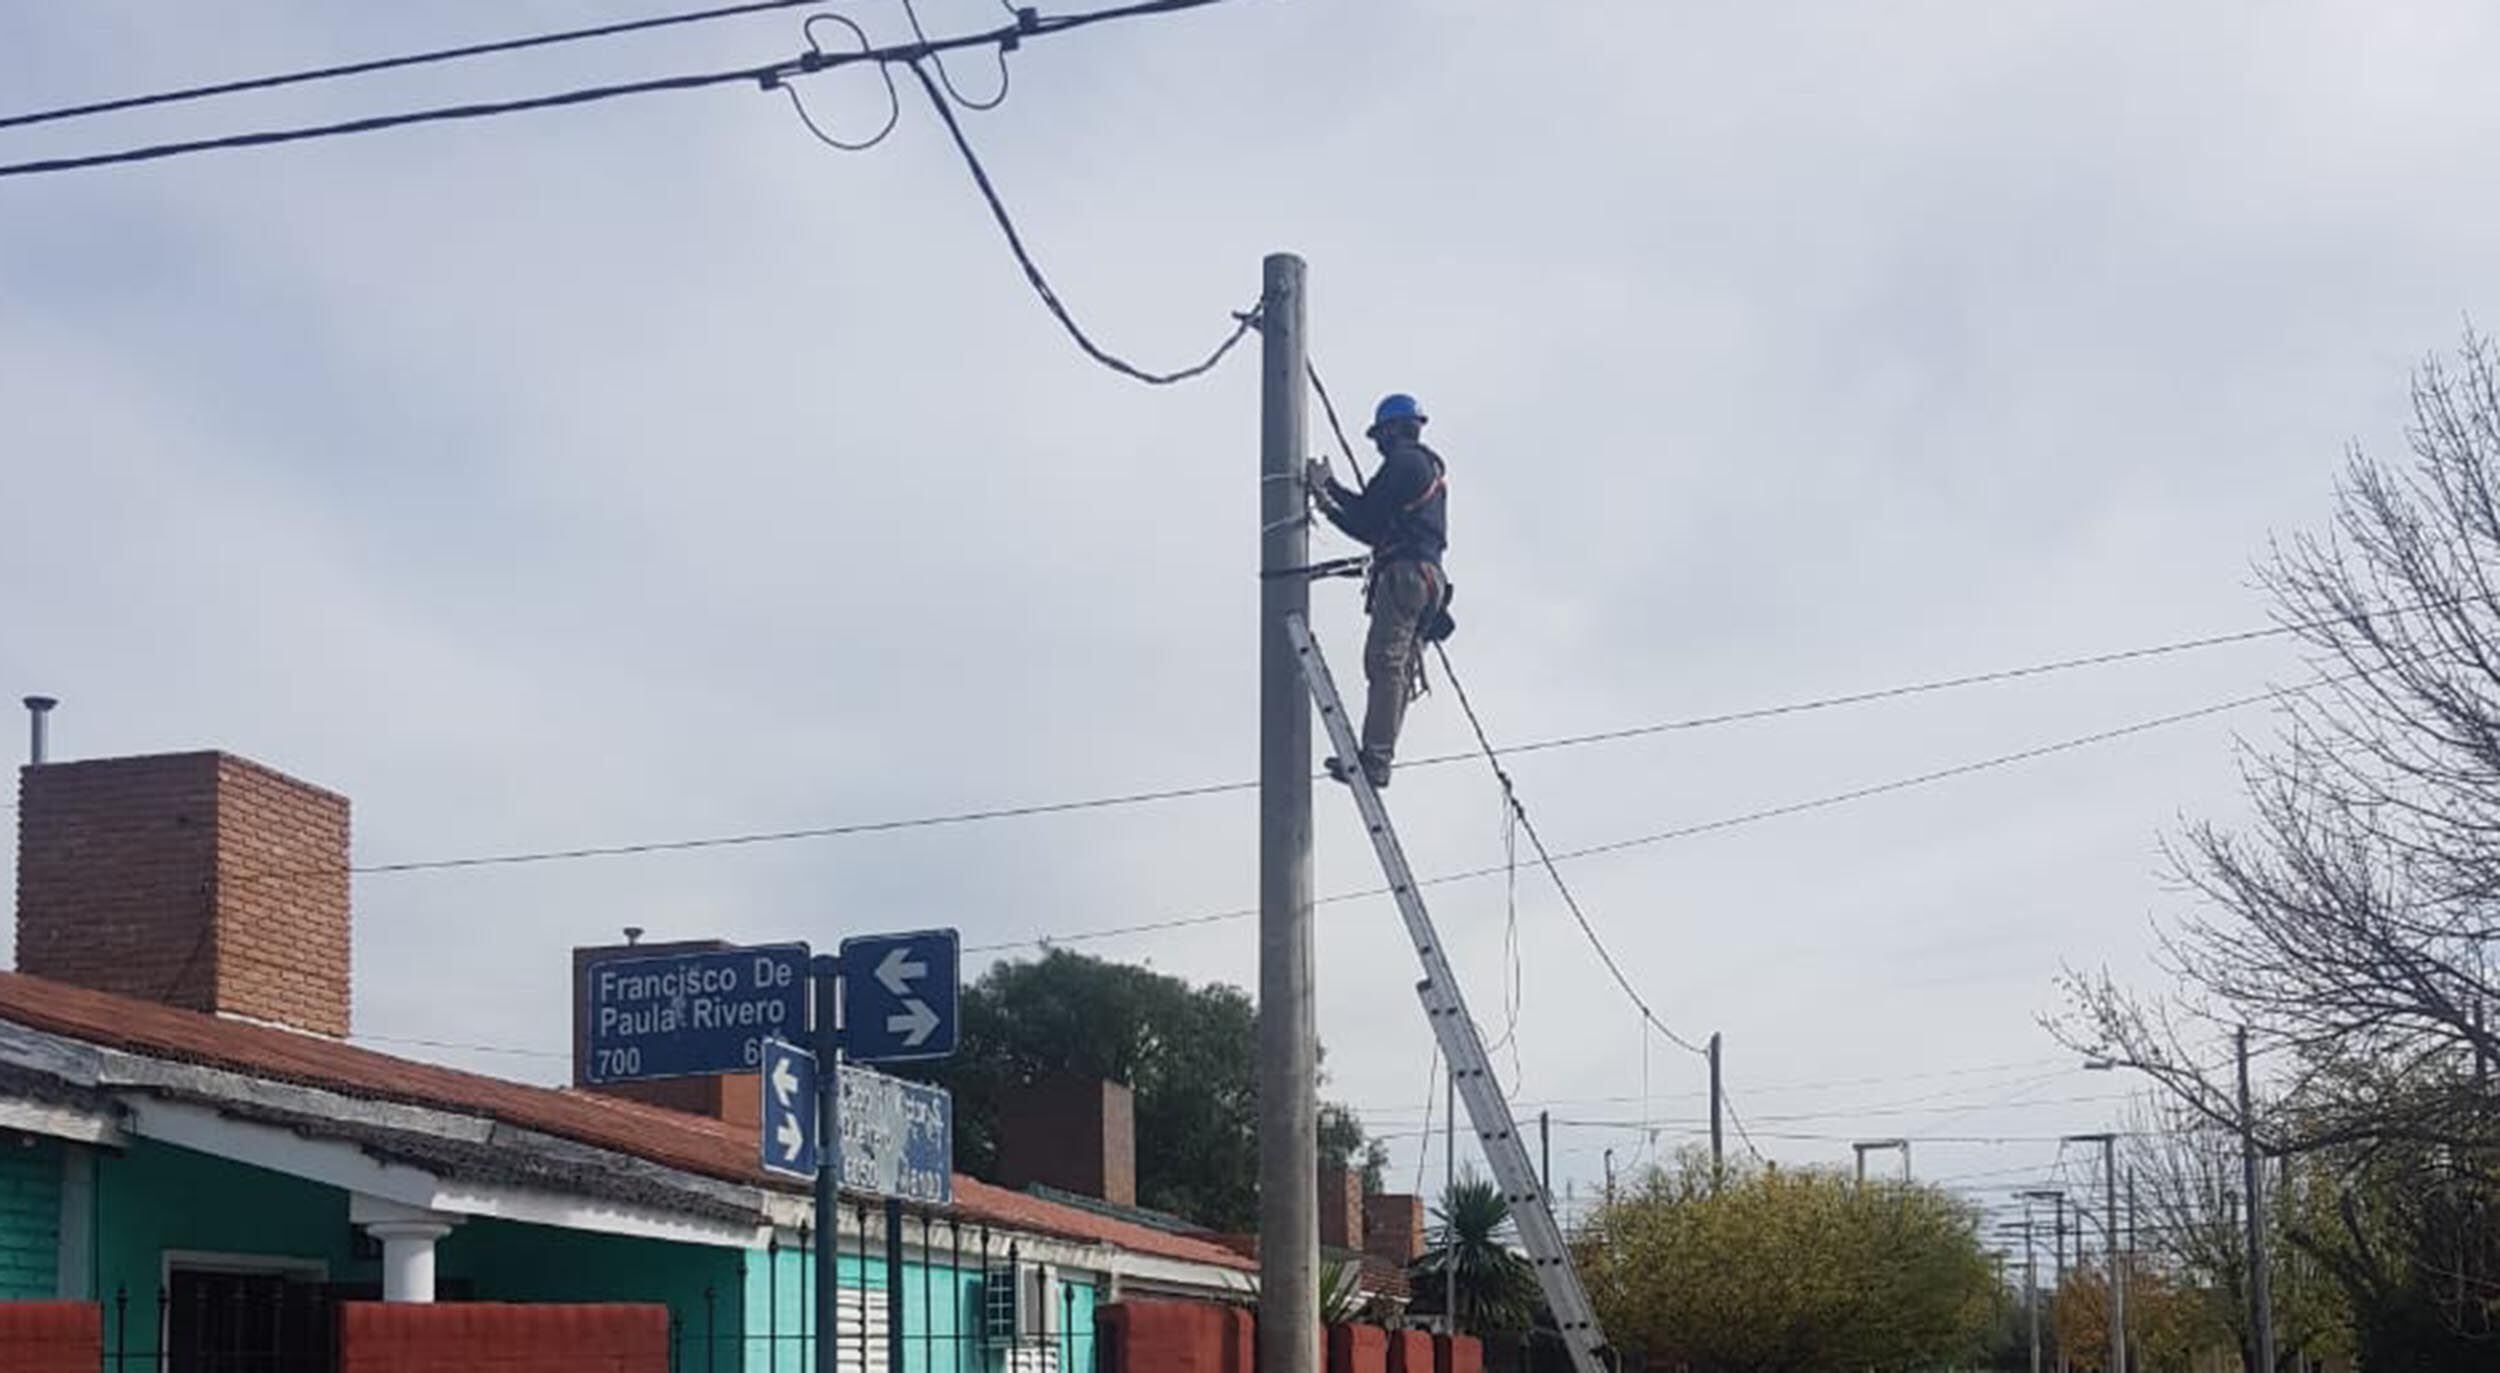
(187,1138)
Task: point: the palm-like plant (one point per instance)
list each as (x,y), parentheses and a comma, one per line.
(1497,1292)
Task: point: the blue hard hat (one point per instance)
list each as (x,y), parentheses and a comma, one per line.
(1395,406)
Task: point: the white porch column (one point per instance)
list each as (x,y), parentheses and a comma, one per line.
(407,1235)
(408,1257)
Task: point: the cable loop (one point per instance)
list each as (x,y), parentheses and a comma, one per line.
(815,58)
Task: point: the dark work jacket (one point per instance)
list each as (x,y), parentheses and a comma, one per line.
(1404,512)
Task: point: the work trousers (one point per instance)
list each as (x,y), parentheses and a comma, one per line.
(1402,593)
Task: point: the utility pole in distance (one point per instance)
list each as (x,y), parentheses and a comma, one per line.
(1718,1146)
(2112,1253)
(1288,1028)
(2260,1283)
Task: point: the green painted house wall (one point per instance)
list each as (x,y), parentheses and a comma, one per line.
(30,1218)
(152,1198)
(753,1305)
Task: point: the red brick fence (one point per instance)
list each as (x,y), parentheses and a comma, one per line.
(68,1337)
(1198,1337)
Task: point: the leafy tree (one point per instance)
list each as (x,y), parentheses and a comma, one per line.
(1497,1290)
(1343,1143)
(1188,1052)
(1782,1269)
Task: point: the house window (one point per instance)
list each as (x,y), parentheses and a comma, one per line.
(223,1321)
(861,1329)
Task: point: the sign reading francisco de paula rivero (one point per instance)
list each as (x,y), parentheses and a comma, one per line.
(689,1014)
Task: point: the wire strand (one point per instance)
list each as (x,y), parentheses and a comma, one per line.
(1571,900)
(1685,831)
(765,76)
(383,64)
(911,11)
(1242,324)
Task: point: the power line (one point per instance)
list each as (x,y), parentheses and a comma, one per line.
(1681,832)
(1165,794)
(765,76)
(1243,322)
(383,64)
(1571,901)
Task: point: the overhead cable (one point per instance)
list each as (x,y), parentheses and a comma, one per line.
(383,64)
(1243,322)
(765,76)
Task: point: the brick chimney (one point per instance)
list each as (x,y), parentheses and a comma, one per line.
(737,1098)
(1340,1207)
(1075,1134)
(1393,1227)
(199,880)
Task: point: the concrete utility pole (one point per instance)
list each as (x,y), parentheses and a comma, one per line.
(2260,1285)
(1718,1146)
(2113,1255)
(1288,1028)
(2031,1293)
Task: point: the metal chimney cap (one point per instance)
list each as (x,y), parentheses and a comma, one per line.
(40,704)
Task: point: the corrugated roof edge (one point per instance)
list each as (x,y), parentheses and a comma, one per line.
(695,1144)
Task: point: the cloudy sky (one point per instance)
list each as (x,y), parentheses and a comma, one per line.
(651,471)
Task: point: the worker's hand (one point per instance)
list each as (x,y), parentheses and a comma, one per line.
(1315,479)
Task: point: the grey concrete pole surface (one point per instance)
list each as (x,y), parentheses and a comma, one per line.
(1288,1022)
(2260,1282)
(2117,1261)
(2031,1294)
(1718,1146)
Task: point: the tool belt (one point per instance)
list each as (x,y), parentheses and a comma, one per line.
(1436,623)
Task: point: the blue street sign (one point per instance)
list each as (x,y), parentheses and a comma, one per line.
(899,996)
(689,1014)
(898,1138)
(789,1118)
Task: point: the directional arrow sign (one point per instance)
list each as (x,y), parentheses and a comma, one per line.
(789,1134)
(899,996)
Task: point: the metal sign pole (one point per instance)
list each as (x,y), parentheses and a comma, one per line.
(828,1038)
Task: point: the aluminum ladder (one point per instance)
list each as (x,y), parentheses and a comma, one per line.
(1445,1007)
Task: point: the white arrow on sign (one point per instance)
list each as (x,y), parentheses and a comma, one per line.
(898,970)
(916,1023)
(785,1082)
(791,1138)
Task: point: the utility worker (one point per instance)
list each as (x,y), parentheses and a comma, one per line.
(1404,516)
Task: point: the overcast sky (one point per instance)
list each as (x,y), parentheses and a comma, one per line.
(650,470)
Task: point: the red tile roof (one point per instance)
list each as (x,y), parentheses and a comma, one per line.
(695,1144)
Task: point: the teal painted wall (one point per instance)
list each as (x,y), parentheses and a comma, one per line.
(940,1305)
(153,1197)
(30,1218)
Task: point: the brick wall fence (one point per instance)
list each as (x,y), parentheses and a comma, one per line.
(51,1336)
(1200,1337)
(491,1338)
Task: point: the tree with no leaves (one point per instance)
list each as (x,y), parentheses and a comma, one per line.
(2348,923)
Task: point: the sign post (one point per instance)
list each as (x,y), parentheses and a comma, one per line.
(827,976)
(799,1021)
